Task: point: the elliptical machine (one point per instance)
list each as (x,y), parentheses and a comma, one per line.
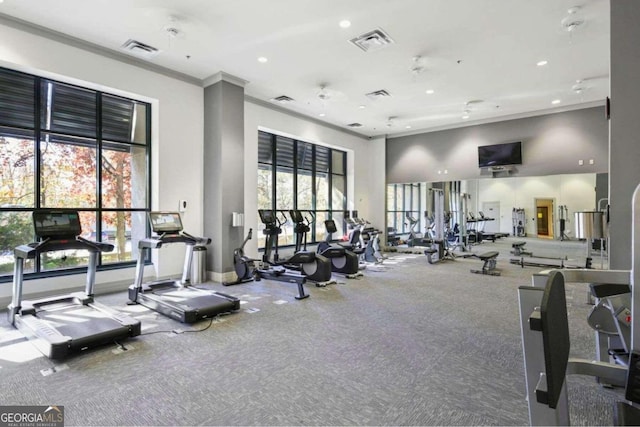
(248,269)
(244,266)
(314,267)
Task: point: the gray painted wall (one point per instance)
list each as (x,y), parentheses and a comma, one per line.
(551,144)
(624,127)
(223,172)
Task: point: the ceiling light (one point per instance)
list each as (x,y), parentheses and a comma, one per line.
(430,91)
(556,101)
(362,107)
(345,23)
(408,127)
(542,63)
(262,59)
(322,114)
(465,117)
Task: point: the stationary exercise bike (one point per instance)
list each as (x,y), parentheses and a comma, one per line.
(342,260)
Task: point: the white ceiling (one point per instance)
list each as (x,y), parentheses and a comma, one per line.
(470,50)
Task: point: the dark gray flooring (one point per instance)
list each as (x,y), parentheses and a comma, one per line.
(409,344)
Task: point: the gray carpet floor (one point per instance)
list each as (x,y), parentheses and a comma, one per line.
(409,344)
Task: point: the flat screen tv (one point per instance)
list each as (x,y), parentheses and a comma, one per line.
(500,154)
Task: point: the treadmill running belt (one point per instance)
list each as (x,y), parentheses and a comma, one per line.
(81,322)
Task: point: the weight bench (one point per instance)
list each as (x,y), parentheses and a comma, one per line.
(518,249)
(489,266)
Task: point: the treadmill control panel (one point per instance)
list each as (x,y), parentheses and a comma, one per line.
(56,224)
(165,222)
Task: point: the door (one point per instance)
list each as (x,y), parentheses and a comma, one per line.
(491,210)
(544,218)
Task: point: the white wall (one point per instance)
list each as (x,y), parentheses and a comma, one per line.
(577,191)
(365,162)
(177,134)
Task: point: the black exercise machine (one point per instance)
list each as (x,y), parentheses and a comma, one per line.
(72,322)
(176,298)
(248,269)
(314,267)
(342,260)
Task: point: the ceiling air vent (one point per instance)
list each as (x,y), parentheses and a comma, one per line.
(354,125)
(372,41)
(378,94)
(139,48)
(283,99)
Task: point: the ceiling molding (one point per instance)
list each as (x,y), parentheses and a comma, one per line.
(301,116)
(536,113)
(222,76)
(56,36)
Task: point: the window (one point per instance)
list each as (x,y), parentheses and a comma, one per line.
(68,147)
(295,174)
(406,202)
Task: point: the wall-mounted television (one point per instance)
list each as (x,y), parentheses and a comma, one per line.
(500,154)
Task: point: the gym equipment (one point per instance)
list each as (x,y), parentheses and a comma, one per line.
(248,269)
(414,239)
(518,249)
(490,259)
(343,261)
(610,317)
(528,259)
(518,220)
(370,247)
(563,212)
(315,268)
(244,266)
(176,299)
(60,325)
(439,249)
(546,343)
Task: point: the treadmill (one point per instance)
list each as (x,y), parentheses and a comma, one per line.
(63,324)
(176,298)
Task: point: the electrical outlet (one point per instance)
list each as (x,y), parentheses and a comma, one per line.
(580,162)
(182,205)
(591,161)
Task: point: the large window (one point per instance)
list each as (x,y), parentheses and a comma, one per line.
(406,203)
(295,174)
(68,147)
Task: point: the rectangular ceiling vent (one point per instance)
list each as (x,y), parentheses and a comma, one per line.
(283,99)
(378,94)
(354,125)
(139,48)
(373,40)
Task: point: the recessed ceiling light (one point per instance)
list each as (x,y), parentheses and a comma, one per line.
(542,63)
(345,23)
(430,91)
(556,101)
(322,114)
(408,127)
(262,59)
(465,117)
(362,107)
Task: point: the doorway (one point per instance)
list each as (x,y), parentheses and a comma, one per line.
(491,210)
(544,218)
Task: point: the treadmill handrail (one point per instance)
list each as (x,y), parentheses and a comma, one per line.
(32,250)
(157,241)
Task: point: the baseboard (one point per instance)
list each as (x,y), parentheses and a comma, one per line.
(214,276)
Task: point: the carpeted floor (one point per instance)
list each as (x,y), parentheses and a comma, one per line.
(409,344)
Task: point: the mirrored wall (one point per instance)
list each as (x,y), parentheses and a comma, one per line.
(506,200)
